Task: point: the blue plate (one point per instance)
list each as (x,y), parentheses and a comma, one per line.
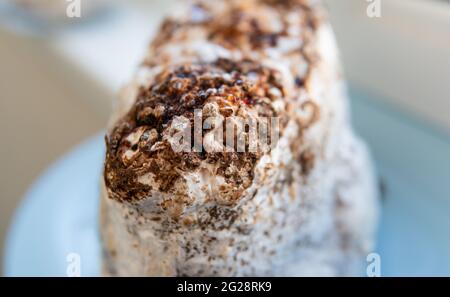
(59,216)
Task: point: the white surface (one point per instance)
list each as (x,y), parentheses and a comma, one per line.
(111,50)
(60,213)
(404,56)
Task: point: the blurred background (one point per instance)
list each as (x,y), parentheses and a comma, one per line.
(58,79)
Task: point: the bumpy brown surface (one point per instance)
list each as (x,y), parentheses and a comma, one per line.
(179,91)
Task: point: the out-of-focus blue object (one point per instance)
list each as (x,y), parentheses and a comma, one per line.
(413,160)
(59,215)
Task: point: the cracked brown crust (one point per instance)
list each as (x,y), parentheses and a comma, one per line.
(235,88)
